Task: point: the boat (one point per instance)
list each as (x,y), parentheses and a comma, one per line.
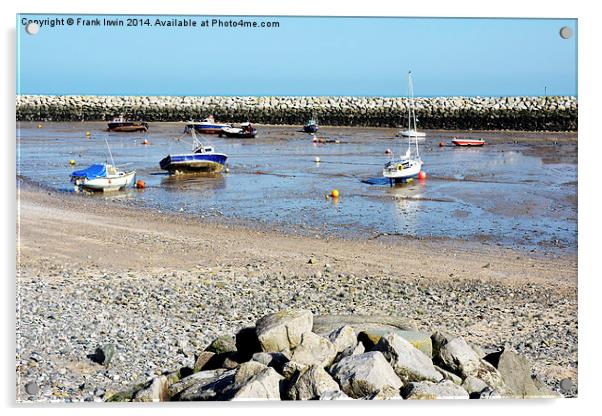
(245,131)
(202,159)
(410,164)
(412,133)
(121,124)
(206,126)
(468,142)
(311,126)
(102,177)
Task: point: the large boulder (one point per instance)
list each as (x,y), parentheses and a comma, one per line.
(460,358)
(370,337)
(283,331)
(515,370)
(222,344)
(264,385)
(276,360)
(427,390)
(363,375)
(155,390)
(343,338)
(314,350)
(197,380)
(311,384)
(212,387)
(409,363)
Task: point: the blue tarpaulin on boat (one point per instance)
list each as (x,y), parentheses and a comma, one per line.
(91,172)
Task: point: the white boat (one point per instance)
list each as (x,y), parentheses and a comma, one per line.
(412,133)
(410,164)
(102,177)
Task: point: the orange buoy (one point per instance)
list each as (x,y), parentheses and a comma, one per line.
(441,144)
(421,174)
(140,184)
(334,193)
(145,142)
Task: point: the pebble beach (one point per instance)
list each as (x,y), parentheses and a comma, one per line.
(161,287)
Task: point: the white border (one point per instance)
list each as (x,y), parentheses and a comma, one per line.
(589,185)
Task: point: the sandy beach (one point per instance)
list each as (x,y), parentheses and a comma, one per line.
(161,286)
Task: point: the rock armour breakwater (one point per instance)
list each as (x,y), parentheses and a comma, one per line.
(557,113)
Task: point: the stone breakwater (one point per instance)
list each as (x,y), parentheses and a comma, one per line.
(292,355)
(556,113)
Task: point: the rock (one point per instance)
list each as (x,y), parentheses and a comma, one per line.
(427,390)
(276,360)
(283,330)
(343,338)
(487,394)
(363,375)
(474,385)
(195,381)
(334,395)
(202,359)
(222,344)
(155,390)
(314,350)
(206,385)
(103,354)
(386,393)
(458,357)
(515,371)
(420,340)
(291,368)
(409,363)
(448,375)
(438,340)
(263,386)
(311,384)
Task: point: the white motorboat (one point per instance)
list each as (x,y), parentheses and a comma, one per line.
(102,177)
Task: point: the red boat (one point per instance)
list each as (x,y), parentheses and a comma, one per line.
(468,142)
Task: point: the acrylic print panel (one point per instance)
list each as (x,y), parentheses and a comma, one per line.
(273,208)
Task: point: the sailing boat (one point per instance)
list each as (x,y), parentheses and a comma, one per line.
(103,177)
(202,159)
(409,165)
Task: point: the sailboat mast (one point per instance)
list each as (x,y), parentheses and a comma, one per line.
(410,108)
(109,148)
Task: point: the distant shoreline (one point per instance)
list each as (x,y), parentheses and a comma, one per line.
(438,113)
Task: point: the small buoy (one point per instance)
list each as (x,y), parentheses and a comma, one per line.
(140,184)
(388,152)
(334,193)
(72,162)
(421,175)
(227,170)
(441,144)
(317,159)
(39,126)
(145,142)
(88,134)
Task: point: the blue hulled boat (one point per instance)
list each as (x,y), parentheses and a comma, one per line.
(202,159)
(311,126)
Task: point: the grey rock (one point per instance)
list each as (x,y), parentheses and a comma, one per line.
(409,363)
(155,390)
(448,375)
(195,382)
(311,384)
(363,375)
(32,388)
(457,356)
(343,338)
(263,386)
(275,360)
(222,344)
(370,336)
(283,330)
(427,390)
(292,368)
(202,359)
(314,350)
(474,385)
(207,386)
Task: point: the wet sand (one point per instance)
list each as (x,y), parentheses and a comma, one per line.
(162,285)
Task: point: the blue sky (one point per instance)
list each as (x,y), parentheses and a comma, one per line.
(303,56)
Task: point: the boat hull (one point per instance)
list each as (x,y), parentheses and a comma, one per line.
(106,184)
(239,135)
(412,133)
(127,127)
(468,142)
(194,162)
(311,128)
(402,170)
(207,128)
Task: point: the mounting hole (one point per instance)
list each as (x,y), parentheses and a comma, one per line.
(32,28)
(566,32)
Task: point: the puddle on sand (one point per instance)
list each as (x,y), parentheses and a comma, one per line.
(509,192)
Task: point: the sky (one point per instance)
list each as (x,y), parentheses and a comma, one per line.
(303,56)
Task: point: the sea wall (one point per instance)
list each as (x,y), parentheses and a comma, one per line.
(556,113)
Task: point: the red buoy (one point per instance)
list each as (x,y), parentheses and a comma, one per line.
(140,184)
(421,175)
(441,144)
